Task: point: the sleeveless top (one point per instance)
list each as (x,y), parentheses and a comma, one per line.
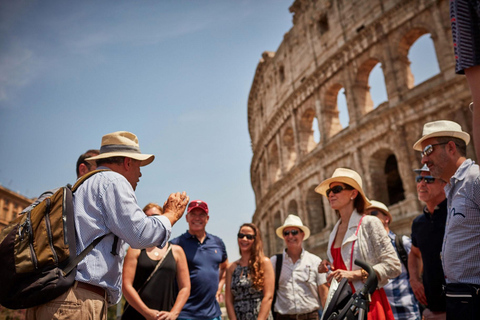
(161,291)
(246,298)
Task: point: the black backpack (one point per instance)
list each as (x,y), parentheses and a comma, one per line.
(38,251)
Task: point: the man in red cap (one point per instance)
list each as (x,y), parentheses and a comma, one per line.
(207,263)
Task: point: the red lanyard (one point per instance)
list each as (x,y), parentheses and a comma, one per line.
(353,244)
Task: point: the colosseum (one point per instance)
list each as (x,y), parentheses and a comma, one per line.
(295,115)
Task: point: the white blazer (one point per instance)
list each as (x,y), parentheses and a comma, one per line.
(372,245)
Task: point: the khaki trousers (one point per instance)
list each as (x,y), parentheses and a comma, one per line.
(76,303)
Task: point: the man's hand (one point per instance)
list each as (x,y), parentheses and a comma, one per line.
(175,205)
(418,290)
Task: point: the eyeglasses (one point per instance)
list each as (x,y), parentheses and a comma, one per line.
(429,149)
(336,189)
(243,235)
(294,232)
(428,179)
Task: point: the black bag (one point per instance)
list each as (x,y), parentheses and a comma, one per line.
(463,301)
(38,251)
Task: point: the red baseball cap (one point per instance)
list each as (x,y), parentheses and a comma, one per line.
(197,204)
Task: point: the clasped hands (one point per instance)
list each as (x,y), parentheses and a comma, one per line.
(326,266)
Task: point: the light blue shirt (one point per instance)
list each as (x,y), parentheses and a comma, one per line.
(106,204)
(461,243)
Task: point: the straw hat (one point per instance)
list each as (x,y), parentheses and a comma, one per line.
(380,206)
(441,128)
(122,144)
(347,176)
(293,221)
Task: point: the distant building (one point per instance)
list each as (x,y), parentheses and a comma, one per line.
(300,133)
(11,204)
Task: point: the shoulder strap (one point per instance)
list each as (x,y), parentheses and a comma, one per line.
(353,244)
(402,253)
(73,263)
(278,270)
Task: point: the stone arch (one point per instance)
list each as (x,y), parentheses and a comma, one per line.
(424,62)
(290,154)
(274,163)
(330,112)
(316,215)
(386,183)
(292,207)
(404,46)
(362,86)
(277,222)
(307,141)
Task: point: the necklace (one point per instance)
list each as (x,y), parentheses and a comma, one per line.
(156,254)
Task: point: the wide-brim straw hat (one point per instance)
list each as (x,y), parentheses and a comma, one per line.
(293,221)
(380,206)
(441,128)
(346,176)
(122,144)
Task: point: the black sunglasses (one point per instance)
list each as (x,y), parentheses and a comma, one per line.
(336,189)
(375,213)
(429,149)
(243,235)
(294,232)
(428,179)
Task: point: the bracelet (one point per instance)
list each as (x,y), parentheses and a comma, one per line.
(364,275)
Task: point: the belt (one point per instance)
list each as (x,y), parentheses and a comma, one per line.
(90,287)
(303,316)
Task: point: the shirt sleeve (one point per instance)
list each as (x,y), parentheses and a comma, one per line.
(127,220)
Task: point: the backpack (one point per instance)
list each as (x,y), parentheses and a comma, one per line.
(38,251)
(278,270)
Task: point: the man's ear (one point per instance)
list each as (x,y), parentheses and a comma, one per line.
(126,163)
(82,169)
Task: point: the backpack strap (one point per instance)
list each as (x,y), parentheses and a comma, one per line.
(402,253)
(73,263)
(278,270)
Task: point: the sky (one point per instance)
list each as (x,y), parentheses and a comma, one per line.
(176,73)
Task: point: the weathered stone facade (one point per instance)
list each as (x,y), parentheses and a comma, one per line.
(332,45)
(11,204)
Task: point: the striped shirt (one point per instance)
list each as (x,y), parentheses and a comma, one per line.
(398,290)
(461,243)
(106,204)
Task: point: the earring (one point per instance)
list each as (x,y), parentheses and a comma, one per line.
(351,199)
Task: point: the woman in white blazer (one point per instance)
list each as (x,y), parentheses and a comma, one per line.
(357,236)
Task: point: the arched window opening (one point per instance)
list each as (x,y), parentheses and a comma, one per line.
(330,111)
(290,155)
(316,215)
(342,108)
(293,208)
(423,59)
(274,165)
(376,82)
(396,193)
(277,222)
(307,141)
(316,132)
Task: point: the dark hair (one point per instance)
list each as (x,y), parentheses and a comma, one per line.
(81,159)
(358,202)
(257,257)
(461,145)
(111,160)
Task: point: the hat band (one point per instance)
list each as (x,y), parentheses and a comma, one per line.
(119,148)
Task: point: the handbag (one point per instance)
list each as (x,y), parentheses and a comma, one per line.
(159,264)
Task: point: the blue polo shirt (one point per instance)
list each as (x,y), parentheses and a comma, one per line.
(203,263)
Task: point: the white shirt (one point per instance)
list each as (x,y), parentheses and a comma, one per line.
(298,284)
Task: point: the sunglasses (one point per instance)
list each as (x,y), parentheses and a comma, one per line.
(428,179)
(375,213)
(429,149)
(243,235)
(294,232)
(336,189)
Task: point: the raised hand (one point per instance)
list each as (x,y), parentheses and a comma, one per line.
(175,206)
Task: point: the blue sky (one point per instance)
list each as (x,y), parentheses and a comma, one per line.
(175,73)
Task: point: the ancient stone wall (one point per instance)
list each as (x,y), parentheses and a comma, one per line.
(333,45)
